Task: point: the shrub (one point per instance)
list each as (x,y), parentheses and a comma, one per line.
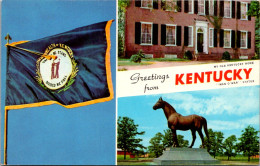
(226,56)
(137,58)
(255,57)
(188,55)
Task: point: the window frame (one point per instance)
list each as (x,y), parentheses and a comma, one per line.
(204,11)
(245,11)
(147,44)
(230,30)
(192,37)
(173,8)
(246,47)
(213,7)
(230,13)
(146,7)
(192,7)
(211,46)
(172,25)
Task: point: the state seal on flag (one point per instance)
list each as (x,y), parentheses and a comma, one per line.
(56,74)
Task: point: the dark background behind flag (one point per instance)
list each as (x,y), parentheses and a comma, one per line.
(53,134)
(89,45)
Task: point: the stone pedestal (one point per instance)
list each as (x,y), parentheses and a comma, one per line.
(185,156)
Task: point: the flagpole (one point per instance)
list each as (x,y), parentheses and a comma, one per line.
(5,137)
(8,37)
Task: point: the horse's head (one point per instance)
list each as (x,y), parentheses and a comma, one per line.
(159,104)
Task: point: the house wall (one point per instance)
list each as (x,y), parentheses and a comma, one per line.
(127,153)
(160,16)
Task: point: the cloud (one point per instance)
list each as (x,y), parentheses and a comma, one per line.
(233,125)
(231,101)
(146,141)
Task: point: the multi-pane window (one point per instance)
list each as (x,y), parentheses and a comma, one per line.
(243,42)
(211,37)
(201,6)
(190,2)
(211,7)
(227,38)
(170,5)
(243,10)
(170,35)
(146,33)
(190,36)
(147,3)
(227,9)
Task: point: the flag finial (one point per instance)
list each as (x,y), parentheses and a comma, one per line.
(8,37)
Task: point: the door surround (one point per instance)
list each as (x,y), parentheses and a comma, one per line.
(204,26)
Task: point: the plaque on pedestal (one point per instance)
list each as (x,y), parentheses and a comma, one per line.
(185,156)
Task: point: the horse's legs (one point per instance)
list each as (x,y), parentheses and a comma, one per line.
(175,140)
(193,132)
(201,137)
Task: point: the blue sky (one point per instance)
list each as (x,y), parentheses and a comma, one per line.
(226,110)
(53,135)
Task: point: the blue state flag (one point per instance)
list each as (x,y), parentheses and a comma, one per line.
(71,69)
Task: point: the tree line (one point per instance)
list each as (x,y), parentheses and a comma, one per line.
(217,145)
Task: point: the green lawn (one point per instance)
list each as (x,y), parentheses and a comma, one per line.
(238,160)
(121,157)
(237,60)
(166,60)
(128,63)
(134,163)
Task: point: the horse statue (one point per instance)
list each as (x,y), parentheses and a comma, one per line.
(178,122)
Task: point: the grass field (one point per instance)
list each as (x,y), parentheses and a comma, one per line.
(238,160)
(127,62)
(165,59)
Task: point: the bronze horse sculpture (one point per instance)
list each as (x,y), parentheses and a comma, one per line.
(178,122)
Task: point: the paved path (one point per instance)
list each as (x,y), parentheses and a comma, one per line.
(166,64)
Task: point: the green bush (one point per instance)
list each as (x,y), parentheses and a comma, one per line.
(226,56)
(188,55)
(137,58)
(255,57)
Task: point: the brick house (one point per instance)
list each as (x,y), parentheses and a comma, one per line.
(121,152)
(168,28)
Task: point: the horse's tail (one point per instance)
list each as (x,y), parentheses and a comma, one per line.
(205,127)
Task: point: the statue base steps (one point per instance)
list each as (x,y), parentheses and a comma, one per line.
(185,156)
